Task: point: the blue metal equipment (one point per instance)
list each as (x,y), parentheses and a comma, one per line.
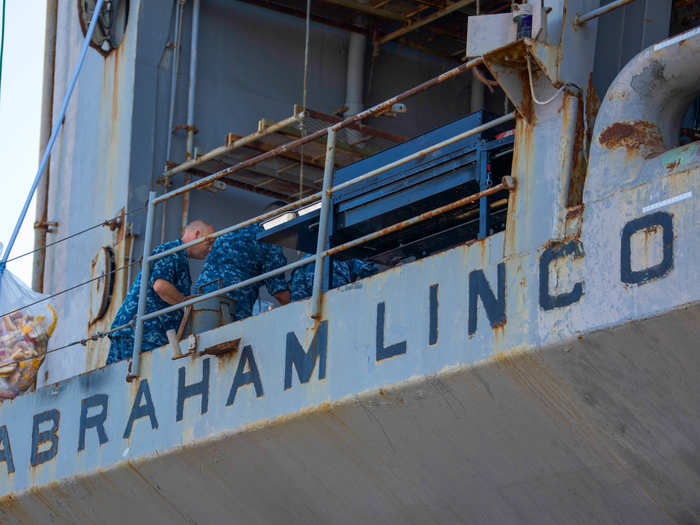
(446,175)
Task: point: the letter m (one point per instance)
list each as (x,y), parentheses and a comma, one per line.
(305,362)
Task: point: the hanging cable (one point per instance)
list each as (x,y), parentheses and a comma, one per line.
(76,234)
(532,87)
(303,96)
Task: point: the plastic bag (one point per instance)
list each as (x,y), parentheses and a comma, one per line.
(24,334)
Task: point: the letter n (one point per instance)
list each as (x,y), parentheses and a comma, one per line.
(46,436)
(495,306)
(6,450)
(305,362)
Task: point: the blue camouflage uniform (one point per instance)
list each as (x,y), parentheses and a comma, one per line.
(238,256)
(344,272)
(173,268)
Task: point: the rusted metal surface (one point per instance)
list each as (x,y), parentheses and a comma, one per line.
(367,130)
(640,116)
(193,163)
(42,203)
(641,137)
(292,145)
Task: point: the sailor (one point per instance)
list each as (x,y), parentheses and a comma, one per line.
(169,282)
(344,272)
(238,256)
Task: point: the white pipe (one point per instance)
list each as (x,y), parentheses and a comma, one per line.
(355,74)
(174,67)
(190,106)
(193,79)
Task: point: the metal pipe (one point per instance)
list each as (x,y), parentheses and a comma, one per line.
(595,13)
(42,201)
(174,69)
(234,145)
(143,287)
(333,251)
(323,224)
(355,74)
(381,107)
(423,21)
(190,154)
(193,78)
(342,186)
(54,134)
(414,220)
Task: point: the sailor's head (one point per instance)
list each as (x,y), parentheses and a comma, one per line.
(196,230)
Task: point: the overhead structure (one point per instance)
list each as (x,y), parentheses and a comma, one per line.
(279,176)
(438,27)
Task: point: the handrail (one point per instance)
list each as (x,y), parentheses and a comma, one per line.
(324,195)
(331,251)
(595,13)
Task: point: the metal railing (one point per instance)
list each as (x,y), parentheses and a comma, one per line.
(322,251)
(595,13)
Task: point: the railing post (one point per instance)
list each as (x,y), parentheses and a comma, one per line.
(143,288)
(323,223)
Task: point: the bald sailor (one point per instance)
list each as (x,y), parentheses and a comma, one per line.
(168,284)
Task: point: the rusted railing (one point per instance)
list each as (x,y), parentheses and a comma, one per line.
(324,196)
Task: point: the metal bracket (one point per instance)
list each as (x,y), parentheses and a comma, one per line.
(223,348)
(49,226)
(508,65)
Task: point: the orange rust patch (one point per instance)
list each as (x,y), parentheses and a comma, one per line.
(574,211)
(673,165)
(636,136)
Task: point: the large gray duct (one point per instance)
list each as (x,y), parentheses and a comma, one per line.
(641,114)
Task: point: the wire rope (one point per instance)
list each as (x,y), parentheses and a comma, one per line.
(69,289)
(76,234)
(93,337)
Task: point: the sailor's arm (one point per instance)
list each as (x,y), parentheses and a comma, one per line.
(167,291)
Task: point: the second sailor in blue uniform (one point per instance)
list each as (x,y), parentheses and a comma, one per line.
(344,272)
(238,256)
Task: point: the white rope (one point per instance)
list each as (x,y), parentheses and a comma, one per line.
(532,87)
